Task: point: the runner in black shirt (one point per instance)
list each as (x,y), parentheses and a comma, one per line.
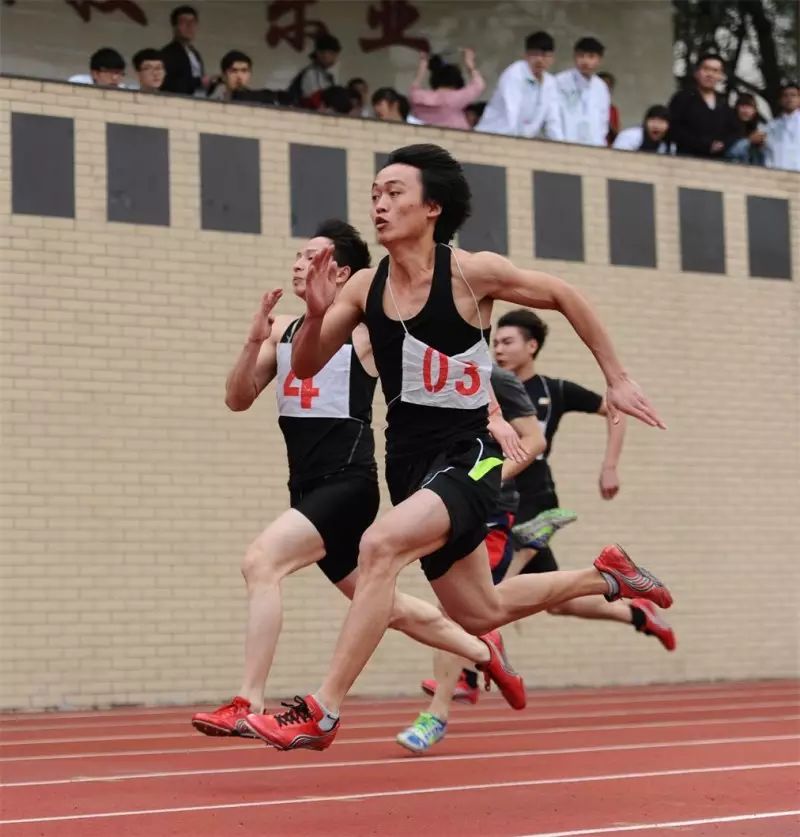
(427,308)
(333,483)
(519,338)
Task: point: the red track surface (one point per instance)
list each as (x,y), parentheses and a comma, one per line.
(719,759)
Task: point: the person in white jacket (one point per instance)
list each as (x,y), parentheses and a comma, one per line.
(583,97)
(525,102)
(782,144)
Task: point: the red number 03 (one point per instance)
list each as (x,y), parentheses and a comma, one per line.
(468,385)
(307,391)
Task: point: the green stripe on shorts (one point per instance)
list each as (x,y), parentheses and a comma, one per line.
(481,468)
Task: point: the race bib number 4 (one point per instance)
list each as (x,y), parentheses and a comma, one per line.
(326,395)
(434,379)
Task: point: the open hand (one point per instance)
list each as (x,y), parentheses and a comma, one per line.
(321,282)
(508,439)
(626,396)
(261,327)
(469,58)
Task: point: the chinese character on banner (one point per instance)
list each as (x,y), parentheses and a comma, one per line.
(393,17)
(127,7)
(297,29)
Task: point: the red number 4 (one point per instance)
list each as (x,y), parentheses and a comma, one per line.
(307,391)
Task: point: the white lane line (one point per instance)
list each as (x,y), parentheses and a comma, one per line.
(466,719)
(407,759)
(53,721)
(754,688)
(652,826)
(237,744)
(351,797)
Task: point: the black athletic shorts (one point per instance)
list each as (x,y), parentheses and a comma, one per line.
(467,478)
(529,506)
(341,507)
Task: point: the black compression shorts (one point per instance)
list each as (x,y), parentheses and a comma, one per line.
(341,507)
(467,479)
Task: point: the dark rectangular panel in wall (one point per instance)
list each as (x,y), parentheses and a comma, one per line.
(42,165)
(768,237)
(487,228)
(137,161)
(702,230)
(318,177)
(631,223)
(230,183)
(380,160)
(558,216)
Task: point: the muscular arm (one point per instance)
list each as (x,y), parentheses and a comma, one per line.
(255,367)
(320,337)
(498,278)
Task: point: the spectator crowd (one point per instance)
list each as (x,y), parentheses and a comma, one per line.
(528,101)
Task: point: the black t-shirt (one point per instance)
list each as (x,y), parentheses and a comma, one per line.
(514,403)
(552,398)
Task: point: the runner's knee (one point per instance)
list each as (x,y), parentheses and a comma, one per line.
(377,555)
(259,565)
(477,624)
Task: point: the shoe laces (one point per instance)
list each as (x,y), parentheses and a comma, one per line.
(426,726)
(297,713)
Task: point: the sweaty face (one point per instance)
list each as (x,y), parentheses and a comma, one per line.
(398,211)
(238,75)
(587,62)
(539,61)
(512,349)
(657,128)
(709,74)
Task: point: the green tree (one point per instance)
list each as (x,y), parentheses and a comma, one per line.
(757,40)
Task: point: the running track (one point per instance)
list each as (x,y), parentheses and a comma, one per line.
(710,759)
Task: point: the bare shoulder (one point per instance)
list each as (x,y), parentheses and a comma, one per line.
(357,287)
(279,326)
(481,265)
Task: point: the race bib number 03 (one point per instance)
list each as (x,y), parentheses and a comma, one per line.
(326,395)
(434,379)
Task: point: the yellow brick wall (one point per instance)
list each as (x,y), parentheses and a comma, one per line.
(130,492)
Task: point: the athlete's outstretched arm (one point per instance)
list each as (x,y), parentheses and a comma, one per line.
(498,278)
(330,318)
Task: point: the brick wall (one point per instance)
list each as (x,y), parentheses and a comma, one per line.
(130,491)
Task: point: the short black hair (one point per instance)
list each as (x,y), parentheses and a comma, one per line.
(609,78)
(385,94)
(708,56)
(327,43)
(349,248)
(589,45)
(443,183)
(337,98)
(444,74)
(540,41)
(182,10)
(106,59)
(530,324)
(657,112)
(789,85)
(232,57)
(354,81)
(147,54)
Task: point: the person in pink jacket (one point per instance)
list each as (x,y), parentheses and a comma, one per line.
(444,104)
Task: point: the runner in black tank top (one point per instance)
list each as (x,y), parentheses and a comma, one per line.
(419,200)
(333,482)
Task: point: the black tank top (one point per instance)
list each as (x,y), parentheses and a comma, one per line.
(326,419)
(421,428)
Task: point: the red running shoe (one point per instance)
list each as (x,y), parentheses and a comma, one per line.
(222,721)
(634,582)
(462,692)
(297,728)
(499,669)
(654,624)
